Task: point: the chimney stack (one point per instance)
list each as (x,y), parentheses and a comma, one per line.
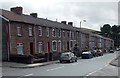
(70,23)
(17,10)
(34,15)
(64,22)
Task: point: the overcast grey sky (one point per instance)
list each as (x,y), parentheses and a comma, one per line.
(95,12)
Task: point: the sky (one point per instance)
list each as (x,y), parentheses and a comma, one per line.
(95,12)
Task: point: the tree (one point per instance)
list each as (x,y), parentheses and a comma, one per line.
(106,30)
(112,32)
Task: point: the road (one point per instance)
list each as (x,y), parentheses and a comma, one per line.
(81,68)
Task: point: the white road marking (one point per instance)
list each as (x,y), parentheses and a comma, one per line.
(100,68)
(95,71)
(29,74)
(55,68)
(25,75)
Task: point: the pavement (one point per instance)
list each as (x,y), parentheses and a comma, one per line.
(20,65)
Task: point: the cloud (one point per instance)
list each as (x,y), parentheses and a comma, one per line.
(95,13)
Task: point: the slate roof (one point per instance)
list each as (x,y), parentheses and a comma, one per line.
(32,20)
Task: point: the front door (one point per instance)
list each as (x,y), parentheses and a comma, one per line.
(31,48)
(48,46)
(68,48)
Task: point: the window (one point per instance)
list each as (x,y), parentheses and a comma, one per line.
(73,34)
(54,45)
(59,46)
(20,48)
(59,33)
(40,47)
(53,33)
(40,31)
(63,33)
(68,34)
(47,32)
(30,31)
(19,30)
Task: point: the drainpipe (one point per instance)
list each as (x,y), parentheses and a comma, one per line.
(9,37)
(35,37)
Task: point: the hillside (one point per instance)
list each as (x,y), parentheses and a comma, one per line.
(91,30)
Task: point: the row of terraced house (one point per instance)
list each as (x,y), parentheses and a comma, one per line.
(28,35)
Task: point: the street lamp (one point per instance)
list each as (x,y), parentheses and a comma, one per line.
(81,22)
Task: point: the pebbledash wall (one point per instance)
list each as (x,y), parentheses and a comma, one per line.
(28,34)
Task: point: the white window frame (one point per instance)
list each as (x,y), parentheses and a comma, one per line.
(73,34)
(59,45)
(19,30)
(53,46)
(70,34)
(30,31)
(20,45)
(53,32)
(40,44)
(40,30)
(59,33)
(47,31)
(63,33)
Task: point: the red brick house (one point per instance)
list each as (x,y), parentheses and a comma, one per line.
(29,35)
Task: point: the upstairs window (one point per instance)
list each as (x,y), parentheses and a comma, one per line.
(53,33)
(47,32)
(68,34)
(19,30)
(30,30)
(63,33)
(40,31)
(59,33)
(73,34)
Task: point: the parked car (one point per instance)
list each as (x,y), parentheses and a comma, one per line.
(94,53)
(118,49)
(111,51)
(68,57)
(100,53)
(87,55)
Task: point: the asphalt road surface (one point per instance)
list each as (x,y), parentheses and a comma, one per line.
(81,68)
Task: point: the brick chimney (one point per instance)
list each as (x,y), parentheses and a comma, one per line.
(17,10)
(64,22)
(34,15)
(70,23)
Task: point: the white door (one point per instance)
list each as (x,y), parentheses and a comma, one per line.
(20,48)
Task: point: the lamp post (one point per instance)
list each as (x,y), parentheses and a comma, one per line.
(81,22)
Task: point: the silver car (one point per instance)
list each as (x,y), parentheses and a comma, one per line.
(68,57)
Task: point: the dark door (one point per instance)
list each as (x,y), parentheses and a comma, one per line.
(48,46)
(31,48)
(68,45)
